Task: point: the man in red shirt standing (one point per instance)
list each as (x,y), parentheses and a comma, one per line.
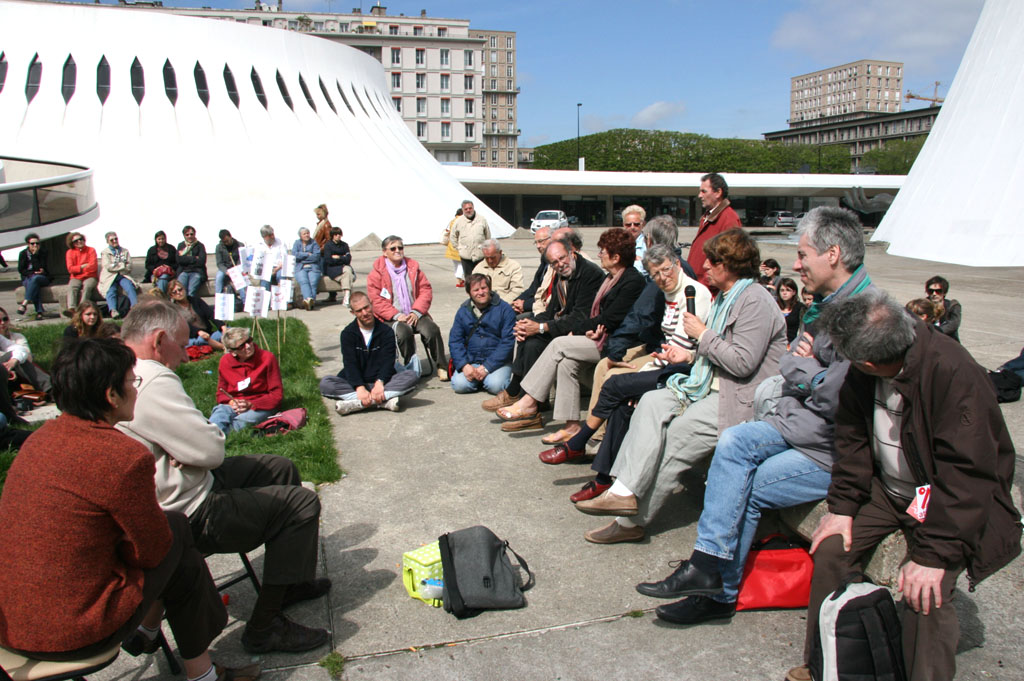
(718,217)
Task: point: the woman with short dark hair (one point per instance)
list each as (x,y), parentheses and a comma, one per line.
(34,275)
(161,262)
(338,265)
(88,554)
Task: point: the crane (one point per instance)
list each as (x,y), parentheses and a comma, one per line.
(934,99)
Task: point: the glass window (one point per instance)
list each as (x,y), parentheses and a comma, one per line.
(508,71)
(467,56)
(511,114)
(3,69)
(417,30)
(494,99)
(340,92)
(397,103)
(323,89)
(305,93)
(421,129)
(446,130)
(494,69)
(494,84)
(494,113)
(446,82)
(421,57)
(468,84)
(170,83)
(483,155)
(392,29)
(442,31)
(203,90)
(446,57)
(494,154)
(35,73)
(396,81)
(229,84)
(396,55)
(446,107)
(508,84)
(421,106)
(470,131)
(508,42)
(469,107)
(421,81)
(508,56)
(68,79)
(318,26)
(493,43)
(284,91)
(257,85)
(494,53)
(509,152)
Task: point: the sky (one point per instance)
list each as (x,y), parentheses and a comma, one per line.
(721,69)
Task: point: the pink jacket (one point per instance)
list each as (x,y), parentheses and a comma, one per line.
(379,280)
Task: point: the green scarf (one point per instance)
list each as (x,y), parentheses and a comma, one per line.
(696,385)
(858,281)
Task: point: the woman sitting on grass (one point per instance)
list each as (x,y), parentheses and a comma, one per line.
(249,388)
(199,315)
(85,322)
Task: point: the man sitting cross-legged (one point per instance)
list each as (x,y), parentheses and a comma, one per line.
(785,458)
(481,340)
(369,377)
(233,504)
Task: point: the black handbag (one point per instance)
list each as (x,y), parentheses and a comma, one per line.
(478,574)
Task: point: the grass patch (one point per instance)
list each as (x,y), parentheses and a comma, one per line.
(334,663)
(311,448)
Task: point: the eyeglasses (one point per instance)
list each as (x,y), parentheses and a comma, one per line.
(631,224)
(137,381)
(78,240)
(33,243)
(933,290)
(5,319)
(247,341)
(396,248)
(664,272)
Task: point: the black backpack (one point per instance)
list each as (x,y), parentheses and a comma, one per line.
(1007,384)
(857,636)
(478,574)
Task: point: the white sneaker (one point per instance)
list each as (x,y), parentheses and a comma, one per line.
(391,405)
(347,406)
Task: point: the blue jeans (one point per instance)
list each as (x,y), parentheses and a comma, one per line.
(216,335)
(225,418)
(309,280)
(494,382)
(222,284)
(34,290)
(191,281)
(753,469)
(127,287)
(162,281)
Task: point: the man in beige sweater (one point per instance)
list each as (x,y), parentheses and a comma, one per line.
(233,504)
(506,274)
(468,234)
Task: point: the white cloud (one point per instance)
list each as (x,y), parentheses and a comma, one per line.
(657,115)
(923,34)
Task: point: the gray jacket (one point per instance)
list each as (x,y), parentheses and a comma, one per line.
(805,414)
(747,352)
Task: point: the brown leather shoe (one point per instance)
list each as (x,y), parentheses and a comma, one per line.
(559,454)
(801,673)
(502,399)
(534,422)
(614,533)
(609,504)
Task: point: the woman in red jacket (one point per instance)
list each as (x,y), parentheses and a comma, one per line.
(88,554)
(249,388)
(81,262)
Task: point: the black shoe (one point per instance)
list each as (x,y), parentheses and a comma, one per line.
(687,580)
(306,591)
(283,635)
(140,644)
(694,610)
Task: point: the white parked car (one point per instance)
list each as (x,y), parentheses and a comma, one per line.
(549,218)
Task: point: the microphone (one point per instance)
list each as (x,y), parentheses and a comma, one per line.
(691,304)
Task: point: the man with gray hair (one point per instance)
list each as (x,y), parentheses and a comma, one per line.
(921,447)
(633,218)
(233,504)
(783,459)
(468,233)
(506,274)
(534,299)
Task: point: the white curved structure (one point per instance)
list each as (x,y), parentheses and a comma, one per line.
(961,201)
(285,122)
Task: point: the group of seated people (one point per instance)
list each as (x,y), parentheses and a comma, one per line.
(108,510)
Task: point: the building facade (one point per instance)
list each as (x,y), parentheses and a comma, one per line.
(455,87)
(500,105)
(860,87)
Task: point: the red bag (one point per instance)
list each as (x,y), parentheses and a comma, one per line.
(197,352)
(777,575)
(283,422)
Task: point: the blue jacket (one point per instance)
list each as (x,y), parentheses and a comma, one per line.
(492,342)
(642,326)
(366,365)
(306,254)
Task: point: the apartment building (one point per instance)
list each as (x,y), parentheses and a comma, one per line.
(455,87)
(500,129)
(857,88)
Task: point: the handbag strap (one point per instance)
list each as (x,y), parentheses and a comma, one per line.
(522,563)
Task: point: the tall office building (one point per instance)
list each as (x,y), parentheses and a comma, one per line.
(500,95)
(861,87)
(441,73)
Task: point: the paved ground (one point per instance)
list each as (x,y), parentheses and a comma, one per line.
(443,464)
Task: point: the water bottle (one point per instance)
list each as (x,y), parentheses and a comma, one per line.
(431,588)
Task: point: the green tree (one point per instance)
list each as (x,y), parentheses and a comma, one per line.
(896,157)
(305,23)
(663,151)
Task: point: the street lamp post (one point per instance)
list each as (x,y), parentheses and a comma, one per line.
(578,105)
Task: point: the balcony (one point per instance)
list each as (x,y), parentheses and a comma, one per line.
(48,198)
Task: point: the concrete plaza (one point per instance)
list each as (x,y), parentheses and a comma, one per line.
(442,464)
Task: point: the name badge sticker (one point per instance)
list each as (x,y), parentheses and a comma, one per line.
(918,508)
(244,383)
(386,294)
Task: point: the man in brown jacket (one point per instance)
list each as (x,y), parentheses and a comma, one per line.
(921,447)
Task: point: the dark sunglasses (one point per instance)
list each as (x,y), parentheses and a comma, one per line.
(933,290)
(33,243)
(630,224)
(396,248)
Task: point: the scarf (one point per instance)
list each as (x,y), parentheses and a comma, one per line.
(857,282)
(607,285)
(400,284)
(697,385)
(119,255)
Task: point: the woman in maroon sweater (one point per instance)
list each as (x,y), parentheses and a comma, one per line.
(88,554)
